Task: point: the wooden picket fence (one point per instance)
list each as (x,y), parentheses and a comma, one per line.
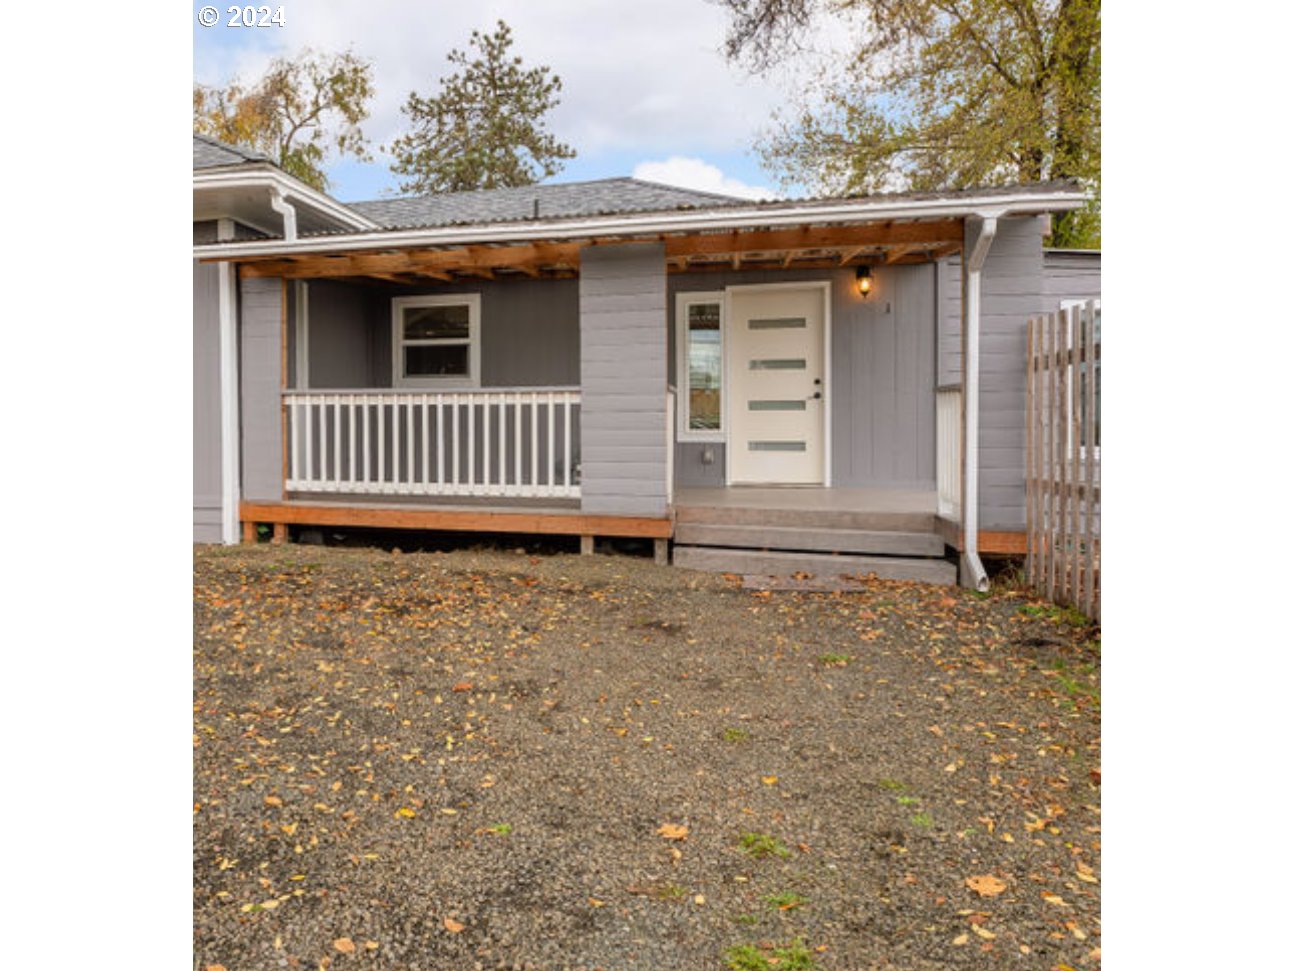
(1063,498)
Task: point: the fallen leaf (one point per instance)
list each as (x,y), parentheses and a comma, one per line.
(699,900)
(961,939)
(673,831)
(986,886)
(463,686)
(453,926)
(345,945)
(1053,898)
(595,902)
(371,945)
(214,967)
(768,780)
(405,812)
(983,932)
(273,801)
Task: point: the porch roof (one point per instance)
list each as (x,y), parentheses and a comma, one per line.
(722,233)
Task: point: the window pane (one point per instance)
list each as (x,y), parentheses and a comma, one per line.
(778,323)
(436,323)
(778,364)
(704,367)
(434,359)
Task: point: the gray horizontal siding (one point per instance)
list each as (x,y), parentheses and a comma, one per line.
(206,403)
(622,374)
(261,383)
(1011,291)
(1070,276)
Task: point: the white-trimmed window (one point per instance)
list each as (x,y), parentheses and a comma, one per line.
(698,321)
(436,340)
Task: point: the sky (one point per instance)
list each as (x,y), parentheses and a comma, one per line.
(646,90)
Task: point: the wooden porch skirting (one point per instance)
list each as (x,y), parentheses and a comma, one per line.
(998,542)
(464,520)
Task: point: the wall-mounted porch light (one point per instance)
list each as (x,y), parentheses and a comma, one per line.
(864,280)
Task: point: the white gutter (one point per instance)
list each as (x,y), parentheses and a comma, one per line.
(656,223)
(267,177)
(229,439)
(289,214)
(973,573)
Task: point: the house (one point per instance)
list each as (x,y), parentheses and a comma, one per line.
(830,384)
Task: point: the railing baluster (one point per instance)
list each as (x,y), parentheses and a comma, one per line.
(534,442)
(566,443)
(552,445)
(485,444)
(426,444)
(516,443)
(454,417)
(440,443)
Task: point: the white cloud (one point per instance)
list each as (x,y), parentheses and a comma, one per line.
(695,173)
(646,78)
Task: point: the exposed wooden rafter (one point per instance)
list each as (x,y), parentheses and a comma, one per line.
(807,246)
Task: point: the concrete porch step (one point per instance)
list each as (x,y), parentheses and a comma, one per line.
(890,542)
(725,560)
(872,521)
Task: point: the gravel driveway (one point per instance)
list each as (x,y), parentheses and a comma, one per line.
(494,760)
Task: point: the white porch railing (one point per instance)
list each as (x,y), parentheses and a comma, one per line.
(502,442)
(948,452)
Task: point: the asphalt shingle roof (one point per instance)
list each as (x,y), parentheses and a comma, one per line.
(598,197)
(210,153)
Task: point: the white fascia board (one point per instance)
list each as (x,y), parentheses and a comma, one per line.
(272,179)
(654,223)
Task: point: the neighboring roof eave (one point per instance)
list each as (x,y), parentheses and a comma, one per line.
(757,215)
(266,175)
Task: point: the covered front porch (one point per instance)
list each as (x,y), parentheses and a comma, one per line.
(602,381)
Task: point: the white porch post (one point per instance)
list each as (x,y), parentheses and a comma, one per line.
(229,444)
(980,231)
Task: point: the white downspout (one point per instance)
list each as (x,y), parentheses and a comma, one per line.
(229,443)
(973,574)
(289,212)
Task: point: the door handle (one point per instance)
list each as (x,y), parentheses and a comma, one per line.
(814,396)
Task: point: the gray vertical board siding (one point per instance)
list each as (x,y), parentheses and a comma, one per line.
(207,492)
(340,348)
(261,381)
(690,467)
(1070,275)
(1011,291)
(883,372)
(622,347)
(530,332)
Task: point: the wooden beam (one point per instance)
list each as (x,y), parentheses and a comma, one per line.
(434,263)
(461,520)
(850,253)
(815,237)
(800,264)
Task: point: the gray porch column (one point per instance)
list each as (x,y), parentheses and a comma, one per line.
(623,337)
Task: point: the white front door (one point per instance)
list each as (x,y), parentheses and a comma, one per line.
(777,385)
